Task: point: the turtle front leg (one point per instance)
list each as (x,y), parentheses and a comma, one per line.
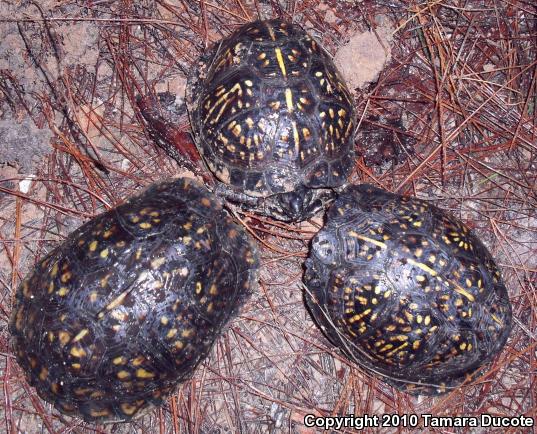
(229,194)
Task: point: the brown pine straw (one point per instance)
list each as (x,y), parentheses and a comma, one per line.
(451,119)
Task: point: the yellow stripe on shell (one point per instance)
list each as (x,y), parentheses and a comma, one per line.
(367,239)
(281,63)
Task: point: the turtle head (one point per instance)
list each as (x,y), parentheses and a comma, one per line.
(299,204)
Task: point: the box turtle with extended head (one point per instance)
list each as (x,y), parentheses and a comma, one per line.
(406,290)
(273,120)
(129,304)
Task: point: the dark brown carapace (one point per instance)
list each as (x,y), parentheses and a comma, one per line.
(273,119)
(130,303)
(406,290)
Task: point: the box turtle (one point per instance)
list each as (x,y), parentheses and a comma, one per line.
(273,120)
(128,305)
(406,291)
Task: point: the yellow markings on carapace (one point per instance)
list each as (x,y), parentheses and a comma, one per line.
(77,352)
(289,99)
(142,373)
(76,365)
(93,246)
(296,138)
(138,361)
(104,253)
(128,409)
(187,225)
(120,316)
(281,63)
(54,270)
(99,413)
(97,394)
(362,300)
(64,337)
(63,291)
(460,290)
(103,282)
(198,287)
(171,333)
(117,301)
(250,122)
(397,349)
(223,99)
(156,263)
(367,239)
(81,335)
(213,290)
(427,320)
(120,360)
(123,374)
(497,320)
(65,277)
(386,348)
(359,316)
(236,130)
(187,333)
(43,374)
(423,267)
(145,225)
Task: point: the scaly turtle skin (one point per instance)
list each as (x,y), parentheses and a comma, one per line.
(406,290)
(129,304)
(273,120)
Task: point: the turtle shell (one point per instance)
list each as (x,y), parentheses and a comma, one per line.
(129,304)
(273,119)
(406,291)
